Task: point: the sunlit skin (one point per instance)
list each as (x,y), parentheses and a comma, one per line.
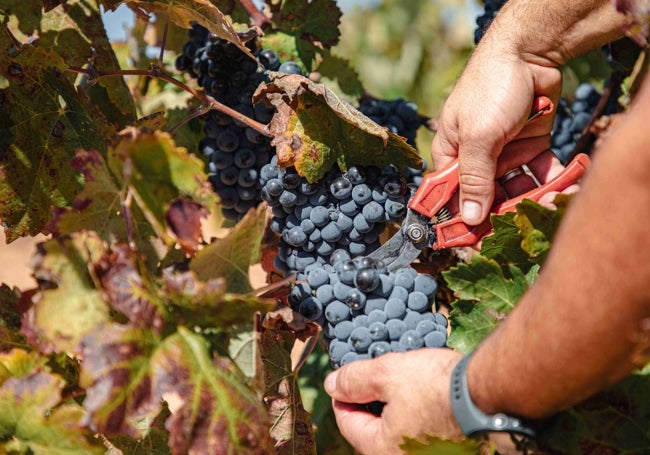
(562,342)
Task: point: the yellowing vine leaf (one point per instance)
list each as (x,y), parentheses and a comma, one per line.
(184,12)
(70,305)
(32,417)
(127,373)
(158,175)
(231,256)
(313,129)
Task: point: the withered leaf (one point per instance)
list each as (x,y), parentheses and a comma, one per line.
(313,129)
(184,219)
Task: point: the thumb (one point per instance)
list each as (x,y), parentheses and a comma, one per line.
(476,174)
(356,382)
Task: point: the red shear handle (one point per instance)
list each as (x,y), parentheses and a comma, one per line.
(454,233)
(435,190)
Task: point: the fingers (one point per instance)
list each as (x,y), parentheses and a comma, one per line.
(358,382)
(360,428)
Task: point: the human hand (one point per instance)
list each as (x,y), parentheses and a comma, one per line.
(484,121)
(413,385)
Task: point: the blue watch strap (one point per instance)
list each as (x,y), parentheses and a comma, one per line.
(472,421)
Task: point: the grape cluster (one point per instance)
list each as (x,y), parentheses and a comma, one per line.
(402,118)
(483,20)
(572,118)
(367,311)
(236,153)
(347,210)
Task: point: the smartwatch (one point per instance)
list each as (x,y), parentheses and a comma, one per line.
(472,421)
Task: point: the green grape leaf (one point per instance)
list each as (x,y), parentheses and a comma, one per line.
(504,244)
(208,304)
(231,256)
(486,296)
(282,43)
(433,444)
(158,172)
(523,238)
(315,21)
(69,305)
(313,129)
(98,206)
(291,426)
(77,34)
(32,415)
(339,69)
(184,12)
(44,120)
(616,420)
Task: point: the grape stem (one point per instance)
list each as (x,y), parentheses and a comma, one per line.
(157,73)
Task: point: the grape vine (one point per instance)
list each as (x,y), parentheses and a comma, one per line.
(149,326)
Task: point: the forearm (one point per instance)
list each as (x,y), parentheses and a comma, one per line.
(554,31)
(584,323)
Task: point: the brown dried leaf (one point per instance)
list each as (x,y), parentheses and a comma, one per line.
(126,290)
(184,219)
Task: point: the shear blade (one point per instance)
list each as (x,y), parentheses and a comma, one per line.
(398,252)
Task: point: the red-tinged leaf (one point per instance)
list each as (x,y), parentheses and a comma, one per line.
(126,289)
(213,411)
(313,129)
(184,12)
(44,120)
(231,256)
(157,172)
(116,372)
(291,427)
(32,419)
(68,304)
(184,218)
(98,206)
(208,304)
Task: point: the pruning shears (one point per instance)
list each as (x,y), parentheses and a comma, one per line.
(429,221)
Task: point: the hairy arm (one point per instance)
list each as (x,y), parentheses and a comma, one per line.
(584,324)
(483,122)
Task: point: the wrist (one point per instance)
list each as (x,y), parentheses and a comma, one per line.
(553,32)
(471,419)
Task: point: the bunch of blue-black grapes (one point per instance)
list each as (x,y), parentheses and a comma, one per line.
(346,210)
(365,310)
(402,118)
(483,20)
(236,152)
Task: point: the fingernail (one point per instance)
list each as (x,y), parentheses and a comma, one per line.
(330,383)
(471,211)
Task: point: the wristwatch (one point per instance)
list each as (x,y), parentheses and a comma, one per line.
(472,421)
